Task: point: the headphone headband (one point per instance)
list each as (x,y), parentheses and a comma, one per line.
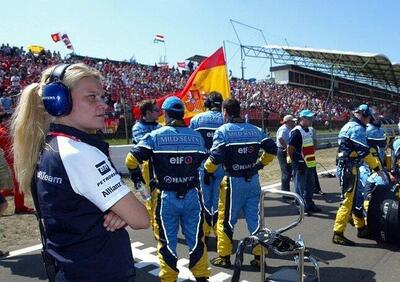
(57,75)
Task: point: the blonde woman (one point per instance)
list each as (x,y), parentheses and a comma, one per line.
(82,200)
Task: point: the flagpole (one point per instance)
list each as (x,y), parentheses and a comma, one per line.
(226,73)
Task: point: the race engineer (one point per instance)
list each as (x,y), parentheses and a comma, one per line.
(177,153)
(206,123)
(352,151)
(236,145)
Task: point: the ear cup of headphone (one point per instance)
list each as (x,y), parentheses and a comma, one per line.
(57,99)
(56,96)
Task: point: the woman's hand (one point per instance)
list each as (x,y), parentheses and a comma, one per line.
(113,222)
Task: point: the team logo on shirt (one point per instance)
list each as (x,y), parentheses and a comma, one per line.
(181,160)
(237,167)
(103,168)
(49,178)
(246,150)
(177,180)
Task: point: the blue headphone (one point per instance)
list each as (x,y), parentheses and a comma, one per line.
(56,96)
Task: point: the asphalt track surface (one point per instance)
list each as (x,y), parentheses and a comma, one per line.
(368,261)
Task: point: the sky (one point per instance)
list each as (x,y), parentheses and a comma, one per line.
(121,29)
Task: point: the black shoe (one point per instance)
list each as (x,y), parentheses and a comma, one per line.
(201,279)
(363,233)
(319,192)
(222,261)
(339,239)
(312,209)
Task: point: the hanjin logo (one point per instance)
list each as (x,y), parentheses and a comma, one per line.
(103,168)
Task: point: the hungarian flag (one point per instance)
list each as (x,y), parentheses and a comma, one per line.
(56,37)
(159,38)
(211,75)
(66,41)
(181,65)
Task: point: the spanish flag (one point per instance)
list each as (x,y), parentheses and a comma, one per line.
(211,75)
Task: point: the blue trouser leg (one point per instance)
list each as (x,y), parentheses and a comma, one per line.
(192,219)
(167,220)
(304,182)
(188,212)
(237,194)
(210,198)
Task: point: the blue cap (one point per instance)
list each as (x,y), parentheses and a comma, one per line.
(306,114)
(364,110)
(173,103)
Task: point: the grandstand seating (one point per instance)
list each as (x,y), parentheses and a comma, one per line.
(133,82)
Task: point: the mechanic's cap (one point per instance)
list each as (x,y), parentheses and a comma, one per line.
(173,103)
(306,114)
(364,110)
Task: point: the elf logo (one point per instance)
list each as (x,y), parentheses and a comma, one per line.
(210,134)
(246,150)
(181,160)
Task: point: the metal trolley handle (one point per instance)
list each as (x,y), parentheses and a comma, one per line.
(300,205)
(296,197)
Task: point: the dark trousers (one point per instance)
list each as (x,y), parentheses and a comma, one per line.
(286,170)
(316,180)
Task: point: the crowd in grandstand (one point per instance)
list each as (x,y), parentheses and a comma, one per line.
(131,83)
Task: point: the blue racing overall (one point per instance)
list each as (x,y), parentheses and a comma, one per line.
(206,123)
(376,140)
(177,153)
(139,129)
(352,150)
(236,145)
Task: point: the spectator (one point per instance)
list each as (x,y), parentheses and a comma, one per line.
(6,147)
(5,182)
(6,103)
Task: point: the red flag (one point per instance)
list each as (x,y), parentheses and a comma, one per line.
(56,37)
(66,41)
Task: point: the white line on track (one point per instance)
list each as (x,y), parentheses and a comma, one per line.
(24,251)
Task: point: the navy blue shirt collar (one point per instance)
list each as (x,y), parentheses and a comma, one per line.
(358,121)
(89,139)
